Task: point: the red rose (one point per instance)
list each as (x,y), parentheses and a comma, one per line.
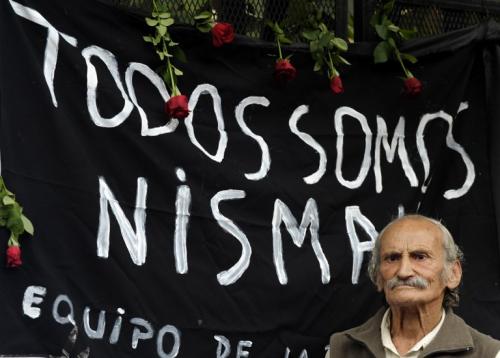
(14,256)
(412,86)
(222,33)
(177,107)
(284,71)
(336,85)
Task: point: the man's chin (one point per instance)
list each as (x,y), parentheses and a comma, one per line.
(403,297)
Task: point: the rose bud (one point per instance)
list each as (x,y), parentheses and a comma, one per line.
(336,85)
(177,107)
(222,33)
(412,86)
(284,71)
(14,256)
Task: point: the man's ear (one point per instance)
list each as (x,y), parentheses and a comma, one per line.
(454,275)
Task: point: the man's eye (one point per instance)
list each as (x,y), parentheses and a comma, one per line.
(419,257)
(392,258)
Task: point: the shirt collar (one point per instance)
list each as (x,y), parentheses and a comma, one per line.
(385,330)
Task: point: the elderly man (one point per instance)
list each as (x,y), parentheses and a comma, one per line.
(417,265)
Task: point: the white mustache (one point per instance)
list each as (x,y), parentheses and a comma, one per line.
(417,282)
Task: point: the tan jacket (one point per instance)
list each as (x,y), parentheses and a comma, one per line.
(454,339)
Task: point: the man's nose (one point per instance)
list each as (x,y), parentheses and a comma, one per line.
(405,268)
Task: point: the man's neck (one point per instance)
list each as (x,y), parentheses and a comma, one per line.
(410,324)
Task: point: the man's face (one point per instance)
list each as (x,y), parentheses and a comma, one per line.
(411,250)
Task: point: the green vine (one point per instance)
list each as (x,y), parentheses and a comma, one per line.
(391,36)
(280,37)
(12,217)
(204,20)
(165,47)
(326,49)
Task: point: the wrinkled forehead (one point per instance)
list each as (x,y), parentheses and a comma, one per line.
(412,233)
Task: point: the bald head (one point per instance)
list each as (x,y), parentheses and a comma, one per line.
(403,228)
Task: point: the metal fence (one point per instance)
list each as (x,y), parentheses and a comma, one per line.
(429,17)
(249,16)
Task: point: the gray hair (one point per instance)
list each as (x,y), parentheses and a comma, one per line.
(451,250)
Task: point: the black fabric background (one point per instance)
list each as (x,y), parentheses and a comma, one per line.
(52,158)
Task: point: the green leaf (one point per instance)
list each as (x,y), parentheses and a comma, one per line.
(393,28)
(407,33)
(388,6)
(275,27)
(7,200)
(391,42)
(381,31)
(164,15)
(314,46)
(151,22)
(324,39)
(28,226)
(147,39)
(161,54)
(278,29)
(381,52)
(409,58)
(343,60)
(162,30)
(15,224)
(340,44)
(284,40)
(177,71)
(203,15)
(317,66)
(205,27)
(310,35)
(318,57)
(167,22)
(386,21)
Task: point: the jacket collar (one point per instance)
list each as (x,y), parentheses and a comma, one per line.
(369,333)
(452,337)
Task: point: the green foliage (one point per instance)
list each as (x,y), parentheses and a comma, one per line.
(279,36)
(279,33)
(302,15)
(11,215)
(391,35)
(382,52)
(325,47)
(204,21)
(165,47)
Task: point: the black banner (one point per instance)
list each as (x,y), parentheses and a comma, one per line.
(245,229)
